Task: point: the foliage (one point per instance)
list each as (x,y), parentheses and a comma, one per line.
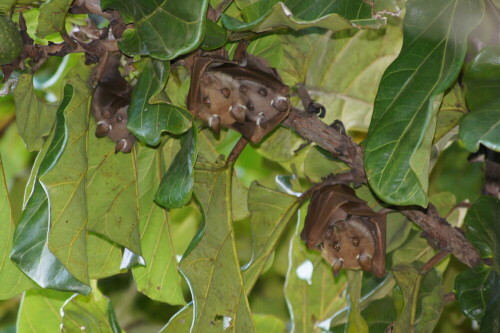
(172,238)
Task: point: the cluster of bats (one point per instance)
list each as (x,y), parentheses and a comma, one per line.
(248,96)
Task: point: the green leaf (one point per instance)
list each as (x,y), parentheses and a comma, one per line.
(342,71)
(159,279)
(104,257)
(312,293)
(481,228)
(215,36)
(65,186)
(423,299)
(477,290)
(268,324)
(163,30)
(355,323)
(12,280)
(482,83)
(177,185)
(34,118)
(30,245)
(112,198)
(211,264)
(39,311)
(335,15)
(92,313)
(399,140)
(52,16)
(271,213)
(181,321)
(452,109)
(148,121)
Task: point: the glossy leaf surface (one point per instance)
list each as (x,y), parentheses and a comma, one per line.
(403,123)
(163,30)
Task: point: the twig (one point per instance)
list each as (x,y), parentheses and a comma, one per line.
(427,267)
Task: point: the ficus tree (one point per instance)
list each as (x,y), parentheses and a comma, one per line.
(157,161)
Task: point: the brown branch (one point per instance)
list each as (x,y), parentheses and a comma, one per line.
(438,232)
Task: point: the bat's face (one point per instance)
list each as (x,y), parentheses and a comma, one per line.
(349,244)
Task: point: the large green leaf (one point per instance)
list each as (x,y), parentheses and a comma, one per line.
(148,121)
(268,324)
(177,184)
(52,16)
(423,299)
(34,117)
(39,311)
(12,280)
(342,71)
(211,264)
(335,15)
(92,313)
(159,279)
(271,211)
(482,83)
(398,146)
(65,186)
(162,29)
(112,198)
(30,245)
(477,290)
(312,293)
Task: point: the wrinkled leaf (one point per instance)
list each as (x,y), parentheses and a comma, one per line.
(112,198)
(482,83)
(39,311)
(148,121)
(177,184)
(271,213)
(478,290)
(159,279)
(400,135)
(12,280)
(65,186)
(311,291)
(52,16)
(335,15)
(34,117)
(92,313)
(423,299)
(163,30)
(30,245)
(211,264)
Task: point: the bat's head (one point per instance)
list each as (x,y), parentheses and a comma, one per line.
(349,244)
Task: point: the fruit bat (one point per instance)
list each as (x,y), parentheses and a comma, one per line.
(346,230)
(246,95)
(109,106)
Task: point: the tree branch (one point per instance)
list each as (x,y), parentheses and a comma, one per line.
(439,233)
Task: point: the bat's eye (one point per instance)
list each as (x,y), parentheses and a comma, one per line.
(206,101)
(263,92)
(225,92)
(336,246)
(355,241)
